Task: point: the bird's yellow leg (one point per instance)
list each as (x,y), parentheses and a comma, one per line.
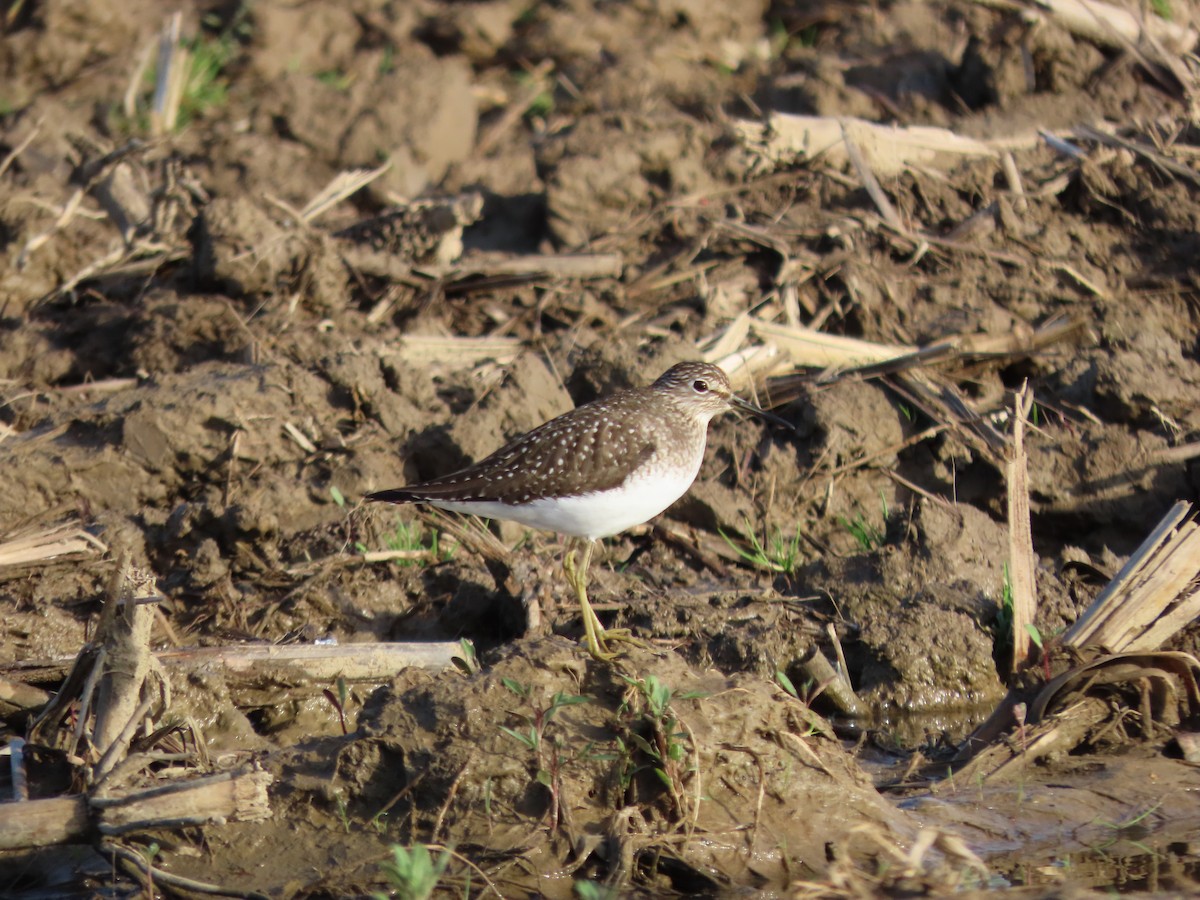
(595,633)
(577,579)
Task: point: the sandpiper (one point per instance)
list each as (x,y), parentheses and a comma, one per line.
(595,471)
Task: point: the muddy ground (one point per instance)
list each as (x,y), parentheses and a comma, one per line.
(204,376)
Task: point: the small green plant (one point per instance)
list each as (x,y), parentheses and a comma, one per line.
(338,497)
(1004,618)
(532,738)
(412,873)
(466,662)
(515,687)
(665,746)
(665,753)
(1162,9)
(1035,635)
(339,81)
(193,81)
(868,536)
(806,694)
(206,86)
(408,537)
(412,547)
(1132,821)
(379,822)
(339,800)
(542,103)
(786,683)
(592,890)
(779,554)
(1127,831)
(1019,711)
(149,855)
(387,63)
(628,766)
(338,700)
(547,748)
(778,38)
(657,694)
(528,16)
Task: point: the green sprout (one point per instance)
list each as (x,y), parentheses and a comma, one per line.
(412,873)
(186,77)
(206,87)
(779,554)
(868,536)
(536,724)
(665,747)
(339,81)
(466,661)
(784,682)
(592,890)
(411,547)
(542,103)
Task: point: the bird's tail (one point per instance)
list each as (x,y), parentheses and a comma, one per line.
(398,495)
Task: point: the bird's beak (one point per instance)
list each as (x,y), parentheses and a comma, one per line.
(761,413)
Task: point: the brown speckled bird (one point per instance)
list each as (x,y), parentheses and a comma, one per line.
(595,471)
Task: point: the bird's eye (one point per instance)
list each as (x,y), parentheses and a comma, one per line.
(700,387)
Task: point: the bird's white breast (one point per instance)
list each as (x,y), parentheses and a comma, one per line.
(599,514)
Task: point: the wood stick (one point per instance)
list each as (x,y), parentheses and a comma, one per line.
(1104,23)
(313,663)
(583,266)
(835,684)
(1087,628)
(52,543)
(1020,533)
(1013,758)
(1137,604)
(1128,615)
(226,797)
(1013,177)
(118,749)
(807,347)
(247,667)
(19,776)
(125,635)
(1172,621)
(871,184)
(17,697)
(453,352)
(785,139)
(40,823)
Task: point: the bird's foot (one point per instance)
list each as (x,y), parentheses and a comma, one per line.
(596,635)
(598,650)
(597,642)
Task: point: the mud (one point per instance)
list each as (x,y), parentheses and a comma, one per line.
(198,373)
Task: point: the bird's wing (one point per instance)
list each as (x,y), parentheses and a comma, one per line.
(592,445)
